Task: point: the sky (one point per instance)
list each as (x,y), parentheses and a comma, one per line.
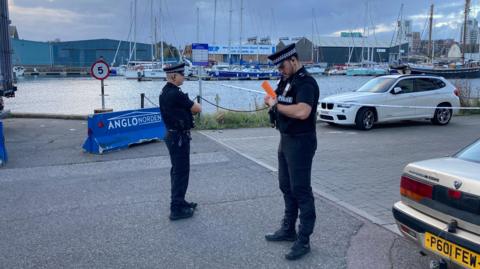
(46,20)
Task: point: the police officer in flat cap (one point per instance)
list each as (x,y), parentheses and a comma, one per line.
(294,114)
(177,112)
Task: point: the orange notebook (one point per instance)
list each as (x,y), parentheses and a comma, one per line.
(268,89)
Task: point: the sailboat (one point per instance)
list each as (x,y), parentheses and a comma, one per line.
(146,70)
(315,68)
(463,70)
(367,67)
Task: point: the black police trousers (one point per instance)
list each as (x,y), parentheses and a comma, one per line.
(178,144)
(295,155)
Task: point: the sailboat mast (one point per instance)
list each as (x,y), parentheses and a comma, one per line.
(153,28)
(364,31)
(467,10)
(241,31)
(402,33)
(129,34)
(135,31)
(155,39)
(214,21)
(230,35)
(430,54)
(161,33)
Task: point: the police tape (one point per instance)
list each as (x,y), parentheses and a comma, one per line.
(355,104)
(401,106)
(236,87)
(151,102)
(231,109)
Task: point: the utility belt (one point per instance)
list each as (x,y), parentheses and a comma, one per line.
(185,132)
(312,133)
(178,137)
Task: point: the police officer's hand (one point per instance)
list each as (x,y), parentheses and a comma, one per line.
(270,101)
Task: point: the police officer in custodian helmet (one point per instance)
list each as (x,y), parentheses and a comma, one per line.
(293,112)
(177,112)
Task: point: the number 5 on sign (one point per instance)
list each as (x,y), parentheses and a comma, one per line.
(100,70)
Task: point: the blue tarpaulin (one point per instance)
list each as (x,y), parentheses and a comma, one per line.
(118,130)
(3,150)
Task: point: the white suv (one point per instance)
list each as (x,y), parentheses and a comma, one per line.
(440,206)
(392,98)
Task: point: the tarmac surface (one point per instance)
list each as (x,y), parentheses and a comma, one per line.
(361,170)
(63,208)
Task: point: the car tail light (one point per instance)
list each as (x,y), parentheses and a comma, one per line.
(415,190)
(457,195)
(456,92)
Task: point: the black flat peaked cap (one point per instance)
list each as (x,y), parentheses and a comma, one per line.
(281,55)
(177,68)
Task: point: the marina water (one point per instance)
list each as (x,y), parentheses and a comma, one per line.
(81,95)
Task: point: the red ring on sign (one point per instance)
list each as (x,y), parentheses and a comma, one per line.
(93,74)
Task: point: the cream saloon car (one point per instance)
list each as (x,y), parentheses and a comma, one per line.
(392,98)
(440,207)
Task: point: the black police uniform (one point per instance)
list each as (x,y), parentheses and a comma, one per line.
(298,143)
(175,109)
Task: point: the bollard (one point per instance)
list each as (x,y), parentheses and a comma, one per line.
(217,100)
(142,100)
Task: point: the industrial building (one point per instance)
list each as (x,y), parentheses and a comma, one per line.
(76,53)
(346,49)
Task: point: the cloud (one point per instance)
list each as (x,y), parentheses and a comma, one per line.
(39,14)
(83,19)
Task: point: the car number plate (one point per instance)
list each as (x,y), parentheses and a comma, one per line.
(444,248)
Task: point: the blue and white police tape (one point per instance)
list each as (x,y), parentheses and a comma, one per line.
(3,150)
(119,130)
(236,87)
(403,106)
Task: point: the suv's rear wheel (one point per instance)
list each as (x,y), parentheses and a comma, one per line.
(443,115)
(365,118)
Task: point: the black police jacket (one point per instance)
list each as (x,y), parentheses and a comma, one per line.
(301,87)
(175,108)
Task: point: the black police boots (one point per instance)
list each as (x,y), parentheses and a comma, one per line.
(285,233)
(299,249)
(192,205)
(181,213)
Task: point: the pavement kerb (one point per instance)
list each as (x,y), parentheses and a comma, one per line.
(352,210)
(46,116)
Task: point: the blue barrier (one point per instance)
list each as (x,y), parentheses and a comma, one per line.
(118,130)
(3,150)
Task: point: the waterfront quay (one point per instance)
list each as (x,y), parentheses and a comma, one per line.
(62,207)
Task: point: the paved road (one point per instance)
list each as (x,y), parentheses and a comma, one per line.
(61,208)
(361,170)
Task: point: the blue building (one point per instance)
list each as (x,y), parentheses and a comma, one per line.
(27,52)
(76,53)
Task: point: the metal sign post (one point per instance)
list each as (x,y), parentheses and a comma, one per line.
(100,70)
(103,95)
(200,59)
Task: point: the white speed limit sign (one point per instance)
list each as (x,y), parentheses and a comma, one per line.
(100,70)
